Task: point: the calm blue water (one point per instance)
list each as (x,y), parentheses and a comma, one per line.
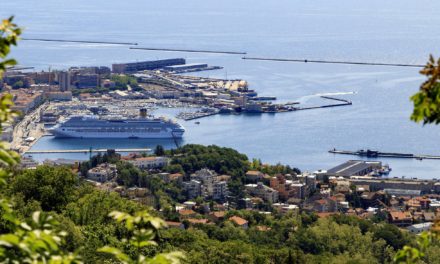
(401,31)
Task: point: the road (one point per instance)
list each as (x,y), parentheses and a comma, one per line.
(29,126)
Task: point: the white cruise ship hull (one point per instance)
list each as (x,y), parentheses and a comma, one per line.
(92,127)
(68,134)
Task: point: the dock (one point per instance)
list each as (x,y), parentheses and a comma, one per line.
(85,151)
(377,154)
(195,115)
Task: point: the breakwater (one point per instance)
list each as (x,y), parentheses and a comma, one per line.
(80,41)
(376,154)
(190,50)
(335,62)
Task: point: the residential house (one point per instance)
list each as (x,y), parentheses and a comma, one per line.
(254,176)
(149,162)
(325,205)
(195,221)
(262,191)
(220,191)
(243,223)
(217,216)
(186,213)
(172,224)
(400,218)
(192,189)
(102,173)
(419,228)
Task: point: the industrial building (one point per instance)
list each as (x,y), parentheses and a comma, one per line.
(146,65)
(186,67)
(354,168)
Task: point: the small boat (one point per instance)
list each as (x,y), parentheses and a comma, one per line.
(197,123)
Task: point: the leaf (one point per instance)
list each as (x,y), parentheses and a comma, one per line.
(115,252)
(9,240)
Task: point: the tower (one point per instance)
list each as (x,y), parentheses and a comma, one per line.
(64,80)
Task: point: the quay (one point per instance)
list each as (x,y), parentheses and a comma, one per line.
(85,151)
(375,154)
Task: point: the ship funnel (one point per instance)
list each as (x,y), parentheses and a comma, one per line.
(143,112)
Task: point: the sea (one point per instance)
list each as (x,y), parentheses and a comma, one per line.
(394,31)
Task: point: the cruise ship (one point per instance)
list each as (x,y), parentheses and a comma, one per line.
(95,127)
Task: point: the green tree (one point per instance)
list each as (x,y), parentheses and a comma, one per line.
(427,100)
(42,239)
(159,150)
(143,229)
(18,84)
(9,34)
(427,110)
(53,187)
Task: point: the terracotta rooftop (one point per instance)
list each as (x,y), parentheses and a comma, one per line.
(326,214)
(253,172)
(198,221)
(218,214)
(400,215)
(238,220)
(173,224)
(186,212)
(263,228)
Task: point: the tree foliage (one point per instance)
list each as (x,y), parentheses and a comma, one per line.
(42,239)
(427,100)
(9,34)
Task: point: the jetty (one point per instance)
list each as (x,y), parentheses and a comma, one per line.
(377,154)
(85,151)
(343,102)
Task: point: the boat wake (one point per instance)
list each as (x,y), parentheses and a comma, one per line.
(308,97)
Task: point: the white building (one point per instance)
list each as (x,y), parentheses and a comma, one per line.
(104,172)
(419,228)
(207,178)
(150,162)
(192,189)
(220,190)
(28,163)
(264,192)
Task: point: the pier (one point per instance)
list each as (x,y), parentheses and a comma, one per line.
(85,151)
(343,103)
(376,154)
(188,116)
